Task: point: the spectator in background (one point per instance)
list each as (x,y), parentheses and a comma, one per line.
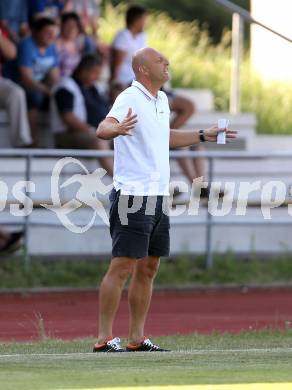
(14,18)
(38,68)
(12,97)
(124,46)
(71,44)
(68,44)
(77,109)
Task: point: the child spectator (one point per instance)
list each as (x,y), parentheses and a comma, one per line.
(38,68)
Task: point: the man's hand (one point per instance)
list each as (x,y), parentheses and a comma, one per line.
(211,134)
(110,128)
(128,124)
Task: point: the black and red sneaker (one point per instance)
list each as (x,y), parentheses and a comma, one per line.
(110,345)
(145,346)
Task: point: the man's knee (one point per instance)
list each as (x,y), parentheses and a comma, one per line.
(182,105)
(19,93)
(148,268)
(121,268)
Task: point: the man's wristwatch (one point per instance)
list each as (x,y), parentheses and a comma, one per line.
(202,136)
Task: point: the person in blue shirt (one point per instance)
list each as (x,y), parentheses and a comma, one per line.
(38,67)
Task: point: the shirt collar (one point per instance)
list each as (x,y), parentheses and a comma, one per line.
(144,90)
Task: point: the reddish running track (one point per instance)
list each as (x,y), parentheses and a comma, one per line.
(73,314)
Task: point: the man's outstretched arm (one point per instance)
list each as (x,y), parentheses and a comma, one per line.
(181,138)
(110,128)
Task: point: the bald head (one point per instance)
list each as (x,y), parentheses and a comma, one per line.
(150,66)
(143,57)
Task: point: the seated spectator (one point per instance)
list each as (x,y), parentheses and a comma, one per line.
(38,69)
(9,242)
(78,108)
(71,44)
(12,97)
(14,18)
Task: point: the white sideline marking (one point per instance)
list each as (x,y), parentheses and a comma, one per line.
(195,352)
(237,386)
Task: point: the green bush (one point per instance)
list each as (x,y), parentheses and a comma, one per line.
(197,63)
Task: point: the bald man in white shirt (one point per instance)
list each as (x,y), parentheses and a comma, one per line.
(139,125)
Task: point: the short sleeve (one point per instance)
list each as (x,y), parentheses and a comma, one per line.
(121,107)
(143,39)
(64,100)
(24,57)
(120,42)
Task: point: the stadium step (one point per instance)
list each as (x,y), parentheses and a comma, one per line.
(188,234)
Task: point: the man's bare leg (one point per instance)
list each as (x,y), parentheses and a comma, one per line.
(184,109)
(187,165)
(110,294)
(140,293)
(200,164)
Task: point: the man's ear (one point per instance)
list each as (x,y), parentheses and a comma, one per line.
(143,69)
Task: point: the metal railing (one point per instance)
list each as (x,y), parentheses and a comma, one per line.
(239,15)
(30,154)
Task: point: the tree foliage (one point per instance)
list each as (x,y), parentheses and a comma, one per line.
(207,12)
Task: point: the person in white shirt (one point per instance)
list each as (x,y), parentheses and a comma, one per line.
(124,46)
(139,124)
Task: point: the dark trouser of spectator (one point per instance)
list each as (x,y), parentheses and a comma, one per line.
(72,139)
(10,242)
(36,102)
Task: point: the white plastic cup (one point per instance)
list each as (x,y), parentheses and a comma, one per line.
(221,137)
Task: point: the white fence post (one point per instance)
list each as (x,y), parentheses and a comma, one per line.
(236,58)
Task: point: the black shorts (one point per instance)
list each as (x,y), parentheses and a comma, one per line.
(137,234)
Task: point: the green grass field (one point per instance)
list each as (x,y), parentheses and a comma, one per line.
(251,360)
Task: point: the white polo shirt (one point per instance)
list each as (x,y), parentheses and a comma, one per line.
(141,161)
(127,42)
